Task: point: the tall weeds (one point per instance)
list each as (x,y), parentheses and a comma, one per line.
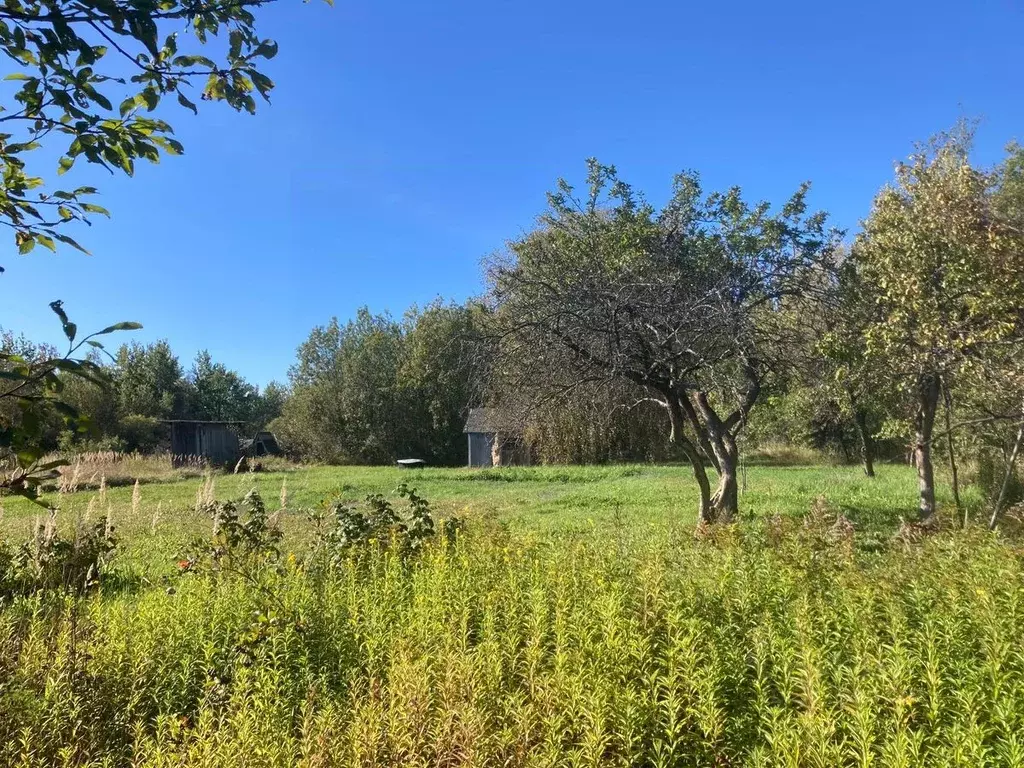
(774,645)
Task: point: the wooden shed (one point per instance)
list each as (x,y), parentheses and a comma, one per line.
(215,441)
(492,440)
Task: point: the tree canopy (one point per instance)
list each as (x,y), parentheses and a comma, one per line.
(678,302)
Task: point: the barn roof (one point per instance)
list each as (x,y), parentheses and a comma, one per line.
(486,420)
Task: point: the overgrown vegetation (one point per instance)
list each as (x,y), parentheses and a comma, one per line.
(790,641)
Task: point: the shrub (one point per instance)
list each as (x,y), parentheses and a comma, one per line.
(342,527)
(140,433)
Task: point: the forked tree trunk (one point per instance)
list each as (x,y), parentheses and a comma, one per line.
(718,441)
(705,512)
(927,403)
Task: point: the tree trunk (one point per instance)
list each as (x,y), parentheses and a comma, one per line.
(867,442)
(947,401)
(1010,464)
(927,402)
(726,502)
(705,512)
(720,443)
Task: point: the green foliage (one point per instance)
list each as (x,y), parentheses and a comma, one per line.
(34,386)
(218,394)
(375,390)
(89,80)
(344,528)
(752,644)
(49,562)
(140,433)
(237,545)
(944,266)
(149,381)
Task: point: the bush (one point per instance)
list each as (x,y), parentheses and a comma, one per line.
(343,528)
(140,433)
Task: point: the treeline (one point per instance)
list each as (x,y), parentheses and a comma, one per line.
(145,386)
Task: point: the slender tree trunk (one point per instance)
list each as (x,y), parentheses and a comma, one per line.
(927,404)
(1010,464)
(867,442)
(947,402)
(705,511)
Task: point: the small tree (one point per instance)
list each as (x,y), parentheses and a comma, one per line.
(680,303)
(945,265)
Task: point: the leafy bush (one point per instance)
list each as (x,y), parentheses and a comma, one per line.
(344,527)
(236,543)
(140,433)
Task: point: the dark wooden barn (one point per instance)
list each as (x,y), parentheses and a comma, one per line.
(215,441)
(493,441)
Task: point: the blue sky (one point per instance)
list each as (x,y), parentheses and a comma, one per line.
(408,140)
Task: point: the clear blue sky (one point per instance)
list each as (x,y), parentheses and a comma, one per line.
(408,140)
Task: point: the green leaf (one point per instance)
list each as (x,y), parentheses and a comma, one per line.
(125,326)
(187,104)
(93,208)
(18,76)
(27,245)
(267,49)
(64,165)
(127,106)
(263,84)
(67,239)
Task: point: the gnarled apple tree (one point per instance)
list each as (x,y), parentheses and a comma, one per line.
(680,303)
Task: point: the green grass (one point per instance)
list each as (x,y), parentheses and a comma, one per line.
(535,498)
(578,621)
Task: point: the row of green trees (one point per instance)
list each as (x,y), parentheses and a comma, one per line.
(135,390)
(376,389)
(616,330)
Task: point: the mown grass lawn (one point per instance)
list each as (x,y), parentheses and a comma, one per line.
(538,498)
(541,500)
